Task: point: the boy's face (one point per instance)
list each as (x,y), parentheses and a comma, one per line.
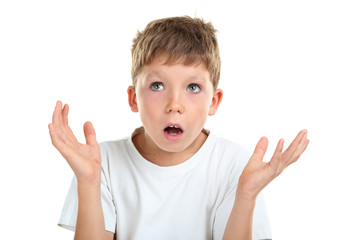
(174,102)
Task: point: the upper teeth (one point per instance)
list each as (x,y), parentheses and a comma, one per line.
(172,126)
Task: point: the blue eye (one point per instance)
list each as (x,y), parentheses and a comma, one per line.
(157,86)
(194,88)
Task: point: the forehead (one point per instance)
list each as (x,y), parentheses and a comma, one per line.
(160,68)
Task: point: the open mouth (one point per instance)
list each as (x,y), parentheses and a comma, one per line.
(173,130)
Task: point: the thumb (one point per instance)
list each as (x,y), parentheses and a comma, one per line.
(260,149)
(89,133)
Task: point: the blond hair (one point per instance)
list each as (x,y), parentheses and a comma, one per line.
(183,40)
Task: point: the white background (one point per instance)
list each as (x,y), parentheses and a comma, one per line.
(287,65)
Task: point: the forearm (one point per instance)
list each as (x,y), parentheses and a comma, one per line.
(239,225)
(90,218)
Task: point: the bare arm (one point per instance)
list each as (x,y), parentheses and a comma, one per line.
(85,161)
(255,176)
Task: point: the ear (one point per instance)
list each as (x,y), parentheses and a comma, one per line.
(132,99)
(216,100)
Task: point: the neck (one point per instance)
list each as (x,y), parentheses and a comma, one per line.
(163,158)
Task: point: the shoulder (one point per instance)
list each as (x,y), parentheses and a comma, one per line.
(115,151)
(120,146)
(226,156)
(227,149)
(114,145)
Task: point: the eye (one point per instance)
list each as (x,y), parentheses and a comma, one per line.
(194,88)
(157,86)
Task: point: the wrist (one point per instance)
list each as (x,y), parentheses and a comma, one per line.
(246,196)
(89,195)
(244,203)
(90,180)
(89,187)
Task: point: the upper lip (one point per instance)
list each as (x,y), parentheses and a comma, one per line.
(176,125)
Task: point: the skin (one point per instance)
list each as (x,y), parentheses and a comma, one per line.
(172,94)
(256,175)
(167,94)
(85,161)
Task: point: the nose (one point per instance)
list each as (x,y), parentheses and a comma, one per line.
(175,105)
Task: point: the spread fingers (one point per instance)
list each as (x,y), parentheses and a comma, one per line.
(289,152)
(296,148)
(57,117)
(302,147)
(276,158)
(65,113)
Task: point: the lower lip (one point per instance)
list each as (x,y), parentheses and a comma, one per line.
(173,138)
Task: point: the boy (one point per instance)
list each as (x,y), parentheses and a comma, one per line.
(171,179)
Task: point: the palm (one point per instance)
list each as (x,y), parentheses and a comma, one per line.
(258,174)
(84,159)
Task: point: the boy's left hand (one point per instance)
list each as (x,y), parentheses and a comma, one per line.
(257,174)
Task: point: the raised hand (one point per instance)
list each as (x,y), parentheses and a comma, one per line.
(84,159)
(257,174)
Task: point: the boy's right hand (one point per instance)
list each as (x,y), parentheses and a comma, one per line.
(84,159)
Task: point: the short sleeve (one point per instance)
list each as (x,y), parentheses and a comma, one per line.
(261,225)
(69,212)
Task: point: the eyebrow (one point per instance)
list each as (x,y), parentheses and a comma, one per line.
(161,75)
(153,74)
(201,79)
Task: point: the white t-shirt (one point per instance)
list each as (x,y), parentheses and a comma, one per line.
(192,200)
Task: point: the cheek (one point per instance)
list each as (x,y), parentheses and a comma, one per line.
(145,99)
(149,104)
(200,105)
